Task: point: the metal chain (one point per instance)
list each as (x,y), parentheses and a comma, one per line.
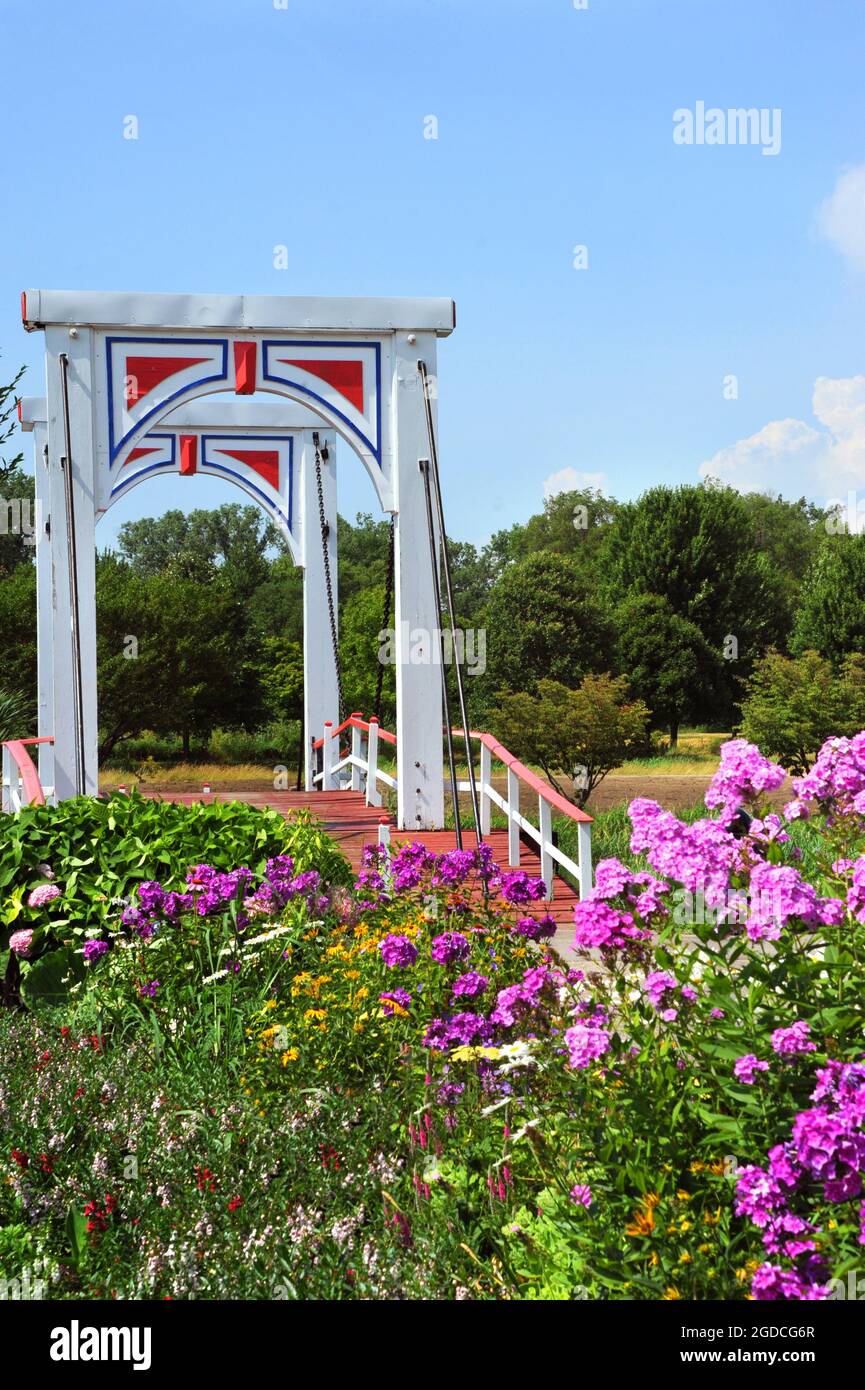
(388,600)
(325,532)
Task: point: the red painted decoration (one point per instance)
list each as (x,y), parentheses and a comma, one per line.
(346,377)
(23,306)
(140,452)
(143,373)
(20,413)
(244,368)
(264,461)
(188,454)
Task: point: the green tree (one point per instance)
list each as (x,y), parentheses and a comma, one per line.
(667,660)
(8,426)
(233,540)
(185,671)
(17,521)
(793,704)
(831,615)
(543,622)
(695,547)
(18,628)
(592,729)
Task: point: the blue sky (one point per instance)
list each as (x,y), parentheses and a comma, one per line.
(304,126)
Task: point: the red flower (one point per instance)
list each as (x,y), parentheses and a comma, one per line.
(329,1157)
(204,1179)
(20,1158)
(234,1203)
(45,1163)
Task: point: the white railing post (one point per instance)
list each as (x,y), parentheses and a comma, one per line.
(384,833)
(513,828)
(328,780)
(584,857)
(545,821)
(356,752)
(373,795)
(7,780)
(486,777)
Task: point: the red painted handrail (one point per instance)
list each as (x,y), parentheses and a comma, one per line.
(29,776)
(355,721)
(531,779)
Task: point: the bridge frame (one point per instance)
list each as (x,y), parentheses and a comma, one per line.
(118,364)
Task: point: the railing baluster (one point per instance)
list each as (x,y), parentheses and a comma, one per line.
(584,860)
(545,821)
(513,828)
(486,778)
(328,781)
(373,795)
(356,752)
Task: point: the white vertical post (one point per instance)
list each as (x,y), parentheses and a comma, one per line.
(545,821)
(44,609)
(513,828)
(7,781)
(356,752)
(584,861)
(420,791)
(84,491)
(328,781)
(320,690)
(486,777)
(373,795)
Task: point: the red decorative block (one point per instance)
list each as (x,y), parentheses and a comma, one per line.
(188,454)
(244,368)
(140,452)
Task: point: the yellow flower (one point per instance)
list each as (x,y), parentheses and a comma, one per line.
(643,1220)
(712,1218)
(683,1196)
(290,1055)
(703,1249)
(271,1004)
(670,1294)
(352,974)
(685,1258)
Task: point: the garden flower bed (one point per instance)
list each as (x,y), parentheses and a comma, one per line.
(254,1078)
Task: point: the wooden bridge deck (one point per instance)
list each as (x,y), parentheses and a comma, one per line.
(353,824)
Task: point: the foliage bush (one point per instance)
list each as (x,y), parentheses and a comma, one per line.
(269,1085)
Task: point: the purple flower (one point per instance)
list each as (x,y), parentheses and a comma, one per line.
(581,1195)
(94,949)
(398,950)
(744,1068)
(449,947)
(535,930)
(792,1041)
(657,985)
(395,996)
(20,942)
(42,894)
(471,984)
(149,990)
(518,887)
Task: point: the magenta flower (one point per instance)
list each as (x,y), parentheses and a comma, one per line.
(585,1044)
(790,1042)
(745,1068)
(19,943)
(94,949)
(581,1195)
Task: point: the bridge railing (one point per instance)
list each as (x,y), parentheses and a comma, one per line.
(548,800)
(362,757)
(21,785)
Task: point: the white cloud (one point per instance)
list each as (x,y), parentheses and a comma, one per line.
(573,480)
(794,458)
(841,218)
